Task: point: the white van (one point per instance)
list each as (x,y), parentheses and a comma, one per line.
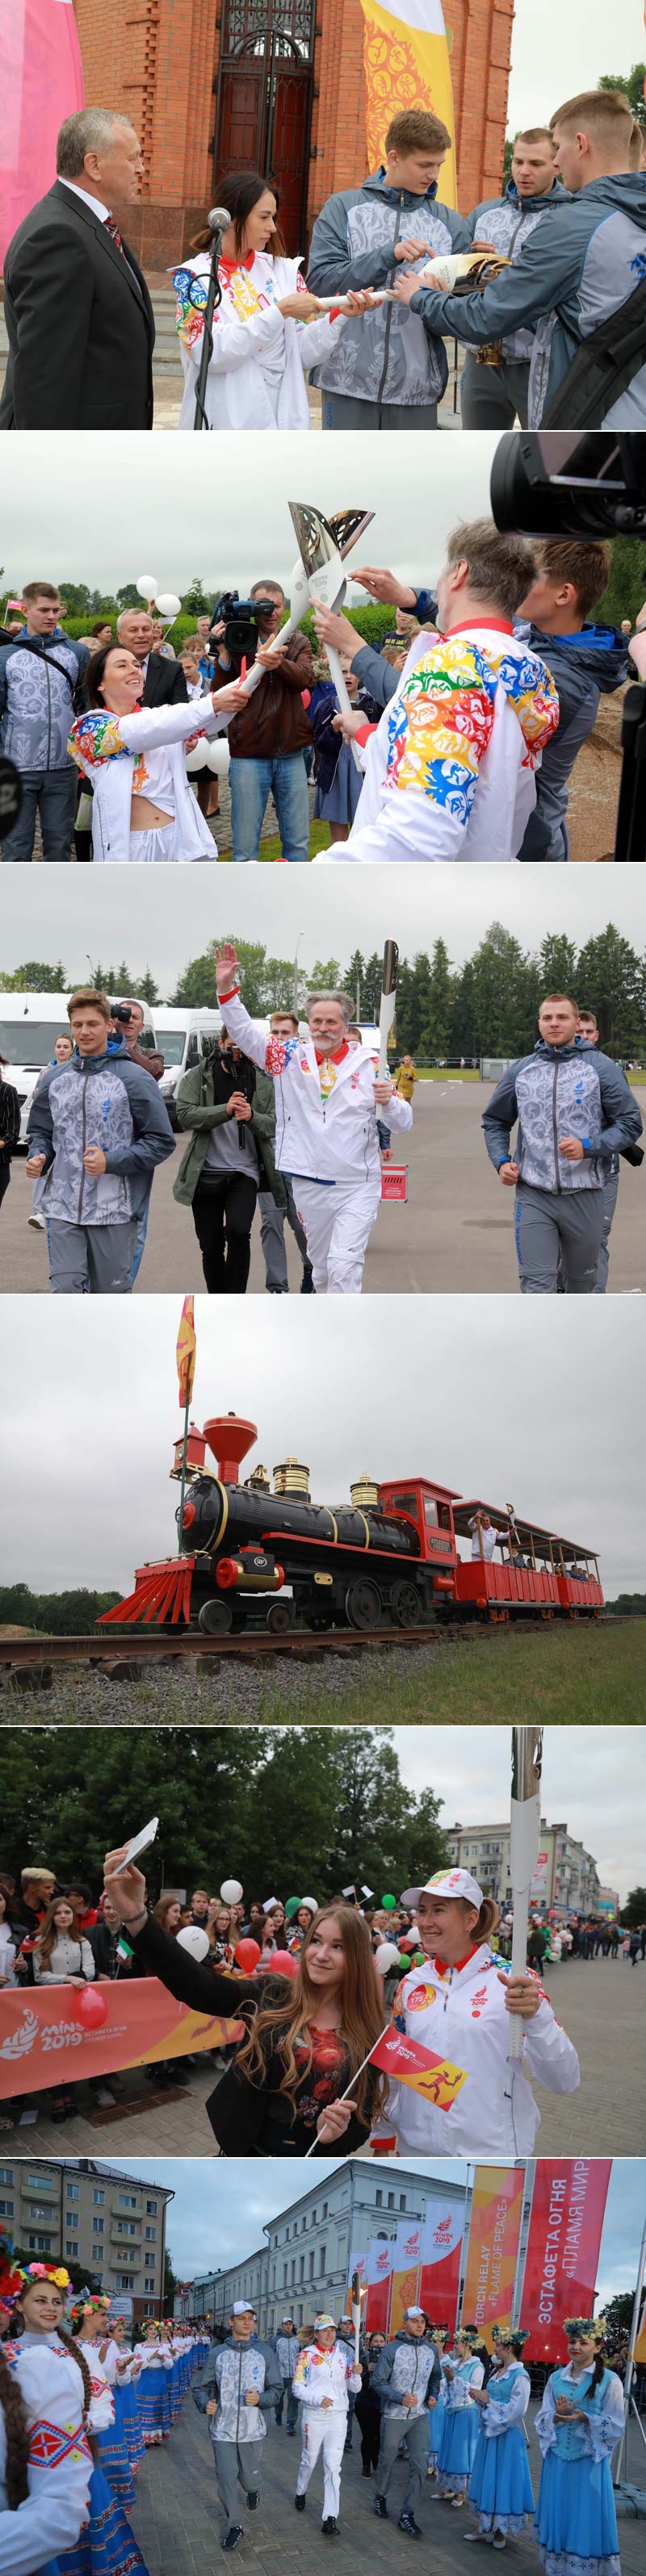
(30,1023)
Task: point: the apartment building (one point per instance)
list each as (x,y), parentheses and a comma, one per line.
(108,2221)
(566,1877)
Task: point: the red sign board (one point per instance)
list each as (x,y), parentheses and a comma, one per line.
(394,1181)
(563,2249)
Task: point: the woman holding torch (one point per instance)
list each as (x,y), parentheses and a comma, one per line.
(464,2005)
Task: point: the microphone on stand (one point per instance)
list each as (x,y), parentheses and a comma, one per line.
(218,223)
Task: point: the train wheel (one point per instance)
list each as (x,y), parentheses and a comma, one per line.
(280,1617)
(363,1605)
(405,1604)
(215,1618)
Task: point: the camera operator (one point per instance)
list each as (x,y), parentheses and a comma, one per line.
(268,740)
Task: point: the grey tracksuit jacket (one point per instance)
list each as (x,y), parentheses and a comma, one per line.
(406,2365)
(36,710)
(387,356)
(238,2366)
(508,222)
(579,265)
(569,1091)
(101,1100)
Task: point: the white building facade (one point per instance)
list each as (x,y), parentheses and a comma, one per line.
(306,2261)
(566,1879)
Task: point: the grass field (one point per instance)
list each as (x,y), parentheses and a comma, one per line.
(567,1676)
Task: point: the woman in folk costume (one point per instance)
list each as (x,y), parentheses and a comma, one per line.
(460,2434)
(45,2465)
(267,329)
(54,2381)
(441,2337)
(122,2367)
(153,2400)
(87,2319)
(500,2487)
(578,2425)
(458,2004)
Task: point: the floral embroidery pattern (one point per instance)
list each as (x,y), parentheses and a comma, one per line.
(442,721)
(96,737)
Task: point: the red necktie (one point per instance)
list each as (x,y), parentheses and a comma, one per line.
(111,227)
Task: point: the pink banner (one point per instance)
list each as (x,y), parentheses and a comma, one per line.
(441,2251)
(41,82)
(379,2275)
(44,2040)
(568,2208)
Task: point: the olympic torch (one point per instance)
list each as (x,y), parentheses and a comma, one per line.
(387,1003)
(524,1846)
(359,2294)
(327,543)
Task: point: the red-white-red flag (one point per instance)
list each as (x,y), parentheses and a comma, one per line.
(41,82)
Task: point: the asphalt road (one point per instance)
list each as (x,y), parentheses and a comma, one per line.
(600,2003)
(454,1234)
(178,2521)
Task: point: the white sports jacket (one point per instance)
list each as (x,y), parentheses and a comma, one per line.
(325,2374)
(316,1139)
(460,2013)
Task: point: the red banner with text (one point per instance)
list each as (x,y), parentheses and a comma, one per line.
(494,2234)
(563,2249)
(441,2250)
(379,2276)
(63,2034)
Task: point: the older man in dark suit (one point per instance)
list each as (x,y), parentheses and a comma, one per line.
(77,309)
(164,680)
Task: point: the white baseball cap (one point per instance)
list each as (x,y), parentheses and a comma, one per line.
(320,2322)
(454,1882)
(414,2312)
(242,2308)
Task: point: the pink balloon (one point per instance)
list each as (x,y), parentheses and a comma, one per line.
(282,1964)
(90,2008)
(246,1956)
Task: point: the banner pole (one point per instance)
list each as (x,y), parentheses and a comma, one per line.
(180,1523)
(519,2282)
(629,2401)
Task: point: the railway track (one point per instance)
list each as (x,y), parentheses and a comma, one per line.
(35,1658)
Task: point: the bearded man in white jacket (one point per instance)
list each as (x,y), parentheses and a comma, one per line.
(322,2380)
(327,1097)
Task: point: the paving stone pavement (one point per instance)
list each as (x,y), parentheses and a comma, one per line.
(599,2001)
(178,2521)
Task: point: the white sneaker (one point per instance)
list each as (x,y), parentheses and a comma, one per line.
(38,1223)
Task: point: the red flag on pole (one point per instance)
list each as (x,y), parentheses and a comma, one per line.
(41,82)
(186,1348)
(407,2063)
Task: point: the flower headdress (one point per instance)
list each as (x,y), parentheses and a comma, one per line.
(467,2334)
(509,2334)
(594,2327)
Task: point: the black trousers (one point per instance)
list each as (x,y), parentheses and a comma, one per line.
(223,1214)
(5,1175)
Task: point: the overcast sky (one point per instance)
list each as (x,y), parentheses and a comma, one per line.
(558,50)
(482,1393)
(161,926)
(142,505)
(595,1796)
(211,2223)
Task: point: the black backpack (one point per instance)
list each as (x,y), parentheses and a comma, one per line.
(604,365)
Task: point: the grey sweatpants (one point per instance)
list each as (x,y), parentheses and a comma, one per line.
(553,1231)
(237,2464)
(395,2429)
(94,1257)
(609,1205)
(346,411)
(272,1237)
(494,397)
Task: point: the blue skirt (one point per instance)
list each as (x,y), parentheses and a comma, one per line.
(176,2391)
(436,2423)
(500,2488)
(126,2404)
(114,2461)
(106,2547)
(457,2449)
(153,2406)
(576,2523)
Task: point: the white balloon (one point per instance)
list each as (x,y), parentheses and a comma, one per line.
(167,603)
(218,757)
(197,760)
(386,1957)
(231,1891)
(146,585)
(195,1940)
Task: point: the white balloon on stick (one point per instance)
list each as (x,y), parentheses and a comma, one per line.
(146,585)
(167,603)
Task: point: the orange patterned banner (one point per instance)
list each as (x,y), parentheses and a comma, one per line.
(494,2233)
(406,64)
(47,2034)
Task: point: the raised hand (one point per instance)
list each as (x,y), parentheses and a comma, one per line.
(227,972)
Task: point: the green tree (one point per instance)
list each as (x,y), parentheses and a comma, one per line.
(625,593)
(35,977)
(618,2312)
(440,984)
(633,1912)
(633,83)
(171,2282)
(610,979)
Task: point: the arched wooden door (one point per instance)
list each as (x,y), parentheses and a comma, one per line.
(264,100)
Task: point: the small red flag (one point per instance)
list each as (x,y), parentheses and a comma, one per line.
(403,2059)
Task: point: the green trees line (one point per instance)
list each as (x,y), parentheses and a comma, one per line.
(488,1006)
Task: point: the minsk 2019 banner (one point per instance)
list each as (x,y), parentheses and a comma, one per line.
(41,82)
(406,64)
(63,2034)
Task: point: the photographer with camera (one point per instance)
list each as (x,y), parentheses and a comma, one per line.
(269,736)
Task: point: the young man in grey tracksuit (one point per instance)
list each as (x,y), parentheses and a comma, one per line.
(97,1128)
(286,2346)
(407,2379)
(582,263)
(244,2386)
(495,391)
(391,372)
(574,1112)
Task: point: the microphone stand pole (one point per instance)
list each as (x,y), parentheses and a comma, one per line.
(214,298)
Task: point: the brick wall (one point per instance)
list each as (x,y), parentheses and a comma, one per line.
(158,60)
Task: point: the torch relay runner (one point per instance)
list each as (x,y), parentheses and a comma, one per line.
(463,2003)
(327,1100)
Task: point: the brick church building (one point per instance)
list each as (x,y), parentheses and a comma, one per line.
(215,85)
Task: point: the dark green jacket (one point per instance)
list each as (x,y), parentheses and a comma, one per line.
(198,1110)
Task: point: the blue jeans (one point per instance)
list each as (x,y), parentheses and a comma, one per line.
(251,783)
(52,792)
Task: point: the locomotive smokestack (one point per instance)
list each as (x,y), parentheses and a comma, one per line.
(290,1477)
(229,1438)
